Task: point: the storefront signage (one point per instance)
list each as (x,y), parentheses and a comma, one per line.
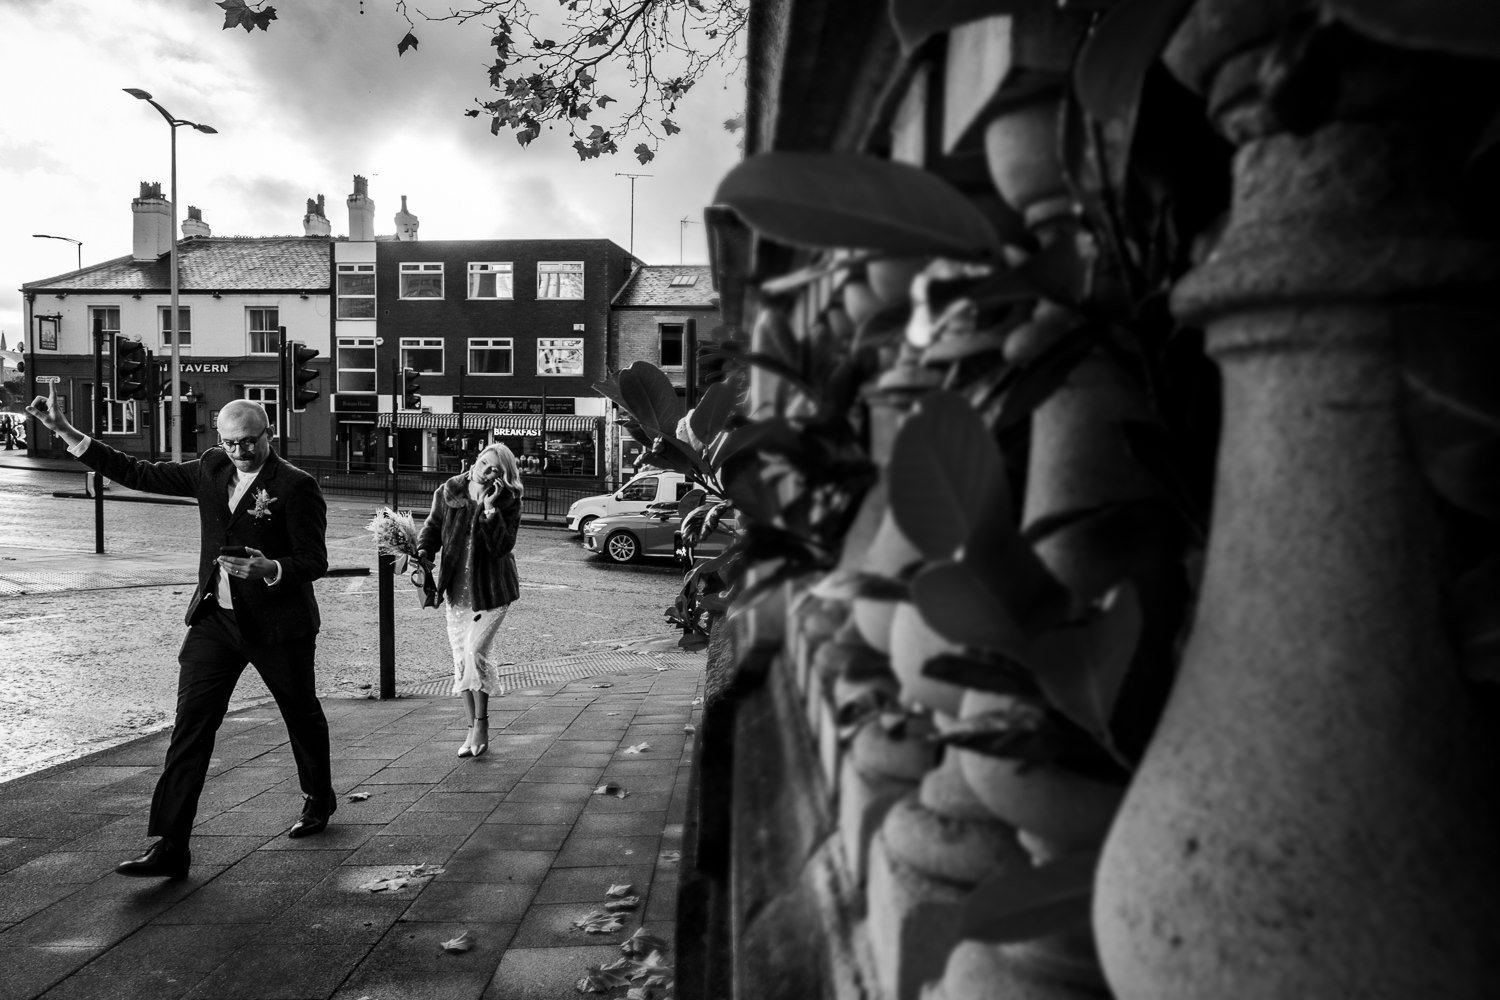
(203,368)
(514,404)
(347,403)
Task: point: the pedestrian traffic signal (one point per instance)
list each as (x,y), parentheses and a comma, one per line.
(130,365)
(411,389)
(303,392)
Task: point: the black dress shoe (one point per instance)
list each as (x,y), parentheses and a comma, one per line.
(162,860)
(315,813)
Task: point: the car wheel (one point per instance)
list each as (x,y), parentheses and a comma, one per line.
(583,526)
(622,547)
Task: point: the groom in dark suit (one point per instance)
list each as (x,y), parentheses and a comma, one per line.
(262,547)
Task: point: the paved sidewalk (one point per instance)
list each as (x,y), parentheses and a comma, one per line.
(525,844)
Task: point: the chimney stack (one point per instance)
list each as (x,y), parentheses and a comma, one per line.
(406,223)
(194,225)
(361,211)
(315,223)
(153,223)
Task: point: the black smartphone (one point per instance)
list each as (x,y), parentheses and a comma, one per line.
(238,551)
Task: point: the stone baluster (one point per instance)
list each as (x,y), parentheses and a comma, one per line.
(1316,815)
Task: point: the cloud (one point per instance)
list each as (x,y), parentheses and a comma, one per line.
(300,109)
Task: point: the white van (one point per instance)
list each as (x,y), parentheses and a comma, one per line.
(636,495)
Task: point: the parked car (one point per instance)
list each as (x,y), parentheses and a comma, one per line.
(633,497)
(625,538)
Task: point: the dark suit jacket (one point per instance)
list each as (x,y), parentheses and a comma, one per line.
(292,533)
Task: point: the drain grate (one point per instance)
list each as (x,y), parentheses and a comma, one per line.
(571,668)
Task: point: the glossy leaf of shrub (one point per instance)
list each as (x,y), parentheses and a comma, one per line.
(1475,612)
(649,397)
(1454,27)
(945,475)
(1022,904)
(1082,666)
(832,200)
(1111,67)
(712,411)
(916,21)
(1451,407)
(960,606)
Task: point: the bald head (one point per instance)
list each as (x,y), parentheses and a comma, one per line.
(247,415)
(242,429)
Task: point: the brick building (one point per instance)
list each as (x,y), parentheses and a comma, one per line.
(663,314)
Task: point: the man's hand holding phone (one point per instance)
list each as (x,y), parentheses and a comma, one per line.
(246,563)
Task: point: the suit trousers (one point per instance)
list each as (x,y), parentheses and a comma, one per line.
(213,656)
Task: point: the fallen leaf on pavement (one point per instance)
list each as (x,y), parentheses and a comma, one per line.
(387,883)
(660,669)
(610,788)
(690,728)
(462,943)
(618,905)
(358,796)
(600,922)
(601,685)
(642,942)
(697,701)
(638,748)
(616,891)
(669,857)
(402,877)
(638,993)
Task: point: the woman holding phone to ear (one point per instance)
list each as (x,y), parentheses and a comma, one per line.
(472,529)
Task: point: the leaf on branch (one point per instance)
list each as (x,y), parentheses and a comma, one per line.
(952,477)
(670,126)
(408,42)
(840,200)
(643,153)
(237,14)
(604,100)
(1111,66)
(1022,904)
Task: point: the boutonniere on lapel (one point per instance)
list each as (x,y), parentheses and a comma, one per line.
(263,502)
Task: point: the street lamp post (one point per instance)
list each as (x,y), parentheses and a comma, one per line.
(173,414)
(76,243)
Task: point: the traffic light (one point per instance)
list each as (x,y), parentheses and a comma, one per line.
(299,355)
(130,365)
(411,389)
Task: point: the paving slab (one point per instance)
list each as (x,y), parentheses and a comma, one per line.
(525,844)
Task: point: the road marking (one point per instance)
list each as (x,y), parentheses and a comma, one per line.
(356,583)
(544,586)
(22,621)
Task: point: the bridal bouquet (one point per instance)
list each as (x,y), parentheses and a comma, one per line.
(395,535)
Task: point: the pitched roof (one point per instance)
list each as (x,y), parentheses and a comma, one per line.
(210,263)
(652,285)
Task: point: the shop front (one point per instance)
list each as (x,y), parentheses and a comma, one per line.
(552,444)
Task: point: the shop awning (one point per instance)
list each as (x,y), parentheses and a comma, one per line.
(526,423)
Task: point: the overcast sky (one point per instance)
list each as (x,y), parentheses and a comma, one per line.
(300,109)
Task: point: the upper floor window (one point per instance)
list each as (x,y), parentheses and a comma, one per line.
(106,320)
(557,279)
(356,364)
(421,281)
(671,345)
(356,291)
(559,356)
(265,336)
(184,324)
(491,356)
(491,280)
(423,354)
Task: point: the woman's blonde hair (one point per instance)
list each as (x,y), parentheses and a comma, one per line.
(510,472)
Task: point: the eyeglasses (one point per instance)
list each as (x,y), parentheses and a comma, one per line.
(242,444)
